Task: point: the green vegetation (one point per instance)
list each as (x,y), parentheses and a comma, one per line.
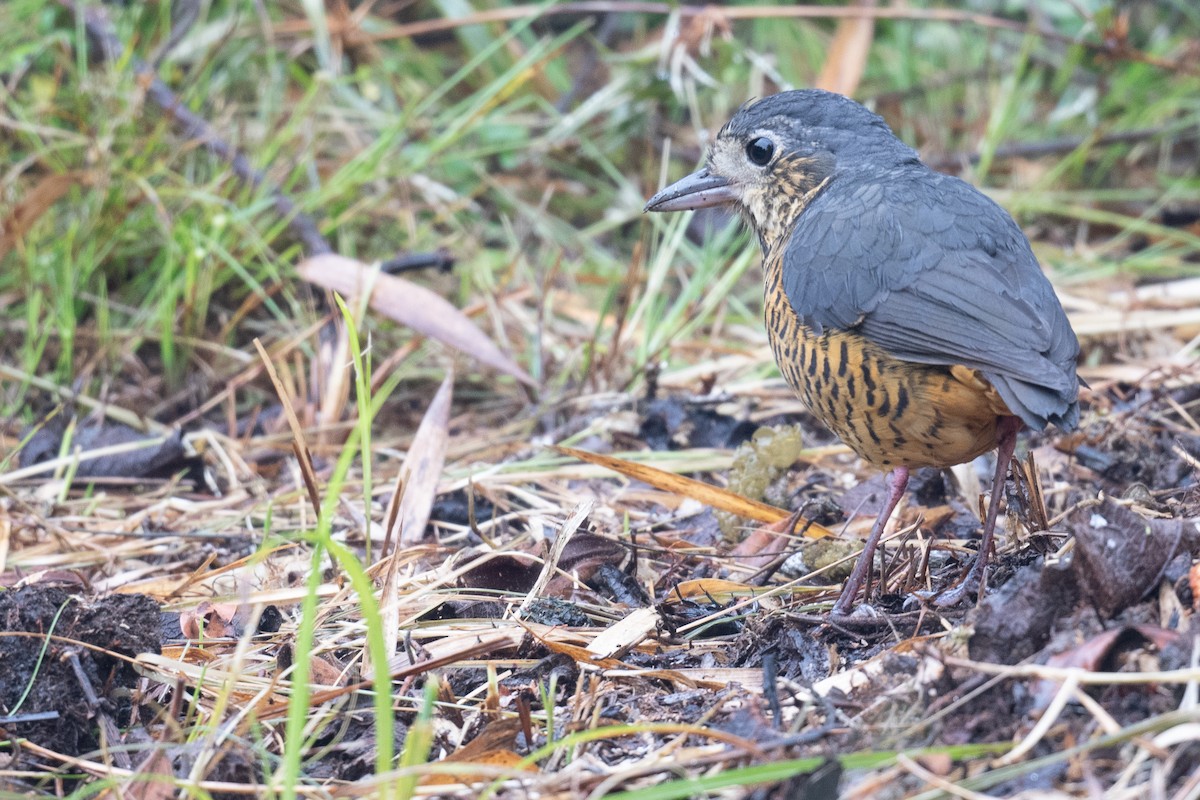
(139,266)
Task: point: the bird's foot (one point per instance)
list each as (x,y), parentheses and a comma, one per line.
(973,583)
(854,613)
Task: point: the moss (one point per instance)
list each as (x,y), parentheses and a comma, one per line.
(757,468)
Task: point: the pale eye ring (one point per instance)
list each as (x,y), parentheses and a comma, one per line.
(760,151)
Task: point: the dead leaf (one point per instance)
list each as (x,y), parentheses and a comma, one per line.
(70,580)
(720,499)
(1194,582)
(456,648)
(763,544)
(412,502)
(584,553)
(324,670)
(938,763)
(189,654)
(626,633)
(209,621)
(846,59)
(409,304)
(154,779)
(583,656)
(48,191)
(715,589)
(504,572)
(493,747)
(1094,654)
(1016,620)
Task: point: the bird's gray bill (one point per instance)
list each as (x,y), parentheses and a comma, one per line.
(701,189)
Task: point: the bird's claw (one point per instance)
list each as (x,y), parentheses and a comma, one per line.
(861,613)
(971,584)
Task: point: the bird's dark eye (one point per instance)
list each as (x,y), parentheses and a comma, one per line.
(760,151)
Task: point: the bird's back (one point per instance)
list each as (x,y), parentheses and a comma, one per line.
(934,273)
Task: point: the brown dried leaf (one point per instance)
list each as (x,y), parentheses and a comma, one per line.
(70,580)
(846,59)
(409,304)
(493,747)
(763,544)
(453,649)
(325,671)
(1194,583)
(720,499)
(48,191)
(585,657)
(188,654)
(154,779)
(209,620)
(586,552)
(715,589)
(1093,654)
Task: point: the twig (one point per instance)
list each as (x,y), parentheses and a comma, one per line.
(32,716)
(441,259)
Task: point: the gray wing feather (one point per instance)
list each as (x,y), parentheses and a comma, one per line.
(936,273)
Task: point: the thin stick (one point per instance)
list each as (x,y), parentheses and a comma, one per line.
(767,12)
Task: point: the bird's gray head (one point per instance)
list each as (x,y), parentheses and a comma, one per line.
(774,154)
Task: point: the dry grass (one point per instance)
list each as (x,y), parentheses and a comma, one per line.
(378,577)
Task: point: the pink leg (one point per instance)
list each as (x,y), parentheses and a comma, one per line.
(1006,442)
(897,482)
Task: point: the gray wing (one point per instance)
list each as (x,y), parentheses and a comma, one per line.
(932,270)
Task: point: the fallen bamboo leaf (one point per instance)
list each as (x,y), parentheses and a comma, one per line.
(714,589)
(423,465)
(714,496)
(409,304)
(453,649)
(412,502)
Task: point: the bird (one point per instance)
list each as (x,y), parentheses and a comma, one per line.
(904,306)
